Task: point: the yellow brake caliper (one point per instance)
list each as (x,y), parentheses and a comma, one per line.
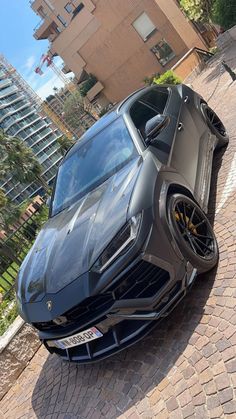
(191,226)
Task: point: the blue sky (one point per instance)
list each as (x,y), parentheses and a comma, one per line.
(19,46)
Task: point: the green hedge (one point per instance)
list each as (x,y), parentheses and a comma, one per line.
(87,85)
(7,315)
(169,77)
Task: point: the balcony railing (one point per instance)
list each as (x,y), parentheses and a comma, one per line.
(40,23)
(46,28)
(8,91)
(5,82)
(95,90)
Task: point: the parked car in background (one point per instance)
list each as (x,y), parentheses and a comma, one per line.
(128,231)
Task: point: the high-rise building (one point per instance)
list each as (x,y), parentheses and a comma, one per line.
(120,42)
(22,116)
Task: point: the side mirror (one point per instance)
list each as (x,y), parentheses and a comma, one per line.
(155,125)
(48,201)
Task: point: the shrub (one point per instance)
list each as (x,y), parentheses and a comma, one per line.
(169,77)
(8,313)
(103,111)
(224,13)
(213,50)
(87,85)
(149,80)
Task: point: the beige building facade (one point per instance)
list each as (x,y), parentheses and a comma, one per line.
(119,41)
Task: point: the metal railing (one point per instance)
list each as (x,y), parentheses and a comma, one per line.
(15,247)
(39,24)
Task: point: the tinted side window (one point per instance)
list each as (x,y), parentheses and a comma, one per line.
(140,114)
(157,98)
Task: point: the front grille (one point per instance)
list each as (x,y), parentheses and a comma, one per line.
(143,280)
(91,309)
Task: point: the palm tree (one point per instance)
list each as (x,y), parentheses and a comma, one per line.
(19,161)
(9,213)
(3,199)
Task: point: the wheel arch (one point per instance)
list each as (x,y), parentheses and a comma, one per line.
(177,188)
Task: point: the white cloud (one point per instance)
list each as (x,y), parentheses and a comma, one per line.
(33,80)
(47,88)
(30,62)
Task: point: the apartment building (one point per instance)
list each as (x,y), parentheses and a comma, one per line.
(120,42)
(21,116)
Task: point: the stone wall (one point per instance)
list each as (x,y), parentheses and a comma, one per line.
(17,346)
(186,65)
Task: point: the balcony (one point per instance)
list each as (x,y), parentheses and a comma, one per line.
(94,91)
(12,99)
(45,29)
(8,91)
(35,4)
(5,83)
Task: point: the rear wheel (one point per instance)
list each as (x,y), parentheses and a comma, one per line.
(215,124)
(193,232)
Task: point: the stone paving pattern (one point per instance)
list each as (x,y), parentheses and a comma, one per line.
(186,368)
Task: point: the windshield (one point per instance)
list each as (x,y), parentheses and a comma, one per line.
(94,162)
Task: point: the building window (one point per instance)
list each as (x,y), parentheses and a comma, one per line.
(78,9)
(62,20)
(144,26)
(42,12)
(69,7)
(163,52)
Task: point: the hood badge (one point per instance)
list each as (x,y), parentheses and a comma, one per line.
(49,305)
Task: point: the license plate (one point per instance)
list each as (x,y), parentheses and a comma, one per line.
(79,338)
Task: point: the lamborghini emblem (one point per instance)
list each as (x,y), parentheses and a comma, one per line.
(49,305)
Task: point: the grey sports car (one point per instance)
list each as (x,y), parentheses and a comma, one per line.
(127,232)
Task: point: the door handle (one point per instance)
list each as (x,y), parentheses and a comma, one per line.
(180,126)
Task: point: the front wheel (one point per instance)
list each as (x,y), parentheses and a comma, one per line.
(193,232)
(216,125)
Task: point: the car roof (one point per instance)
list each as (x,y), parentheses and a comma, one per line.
(125,104)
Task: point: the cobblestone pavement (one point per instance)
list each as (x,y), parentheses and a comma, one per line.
(187,366)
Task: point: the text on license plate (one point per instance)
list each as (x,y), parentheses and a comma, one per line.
(79,338)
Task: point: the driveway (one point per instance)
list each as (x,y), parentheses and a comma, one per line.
(187,366)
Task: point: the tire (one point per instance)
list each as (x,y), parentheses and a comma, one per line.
(192,232)
(216,125)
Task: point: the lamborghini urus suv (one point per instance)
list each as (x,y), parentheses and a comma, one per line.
(127,231)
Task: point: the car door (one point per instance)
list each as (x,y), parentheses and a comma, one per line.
(178,143)
(189,152)
(157,99)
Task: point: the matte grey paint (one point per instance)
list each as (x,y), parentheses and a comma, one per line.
(58,267)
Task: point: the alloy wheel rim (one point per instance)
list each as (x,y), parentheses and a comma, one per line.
(215,121)
(195,229)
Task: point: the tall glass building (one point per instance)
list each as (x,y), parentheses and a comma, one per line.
(21,116)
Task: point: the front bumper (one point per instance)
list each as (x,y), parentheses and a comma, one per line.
(140,297)
(124,303)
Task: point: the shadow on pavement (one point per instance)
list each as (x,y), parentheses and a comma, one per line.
(111,387)
(215,64)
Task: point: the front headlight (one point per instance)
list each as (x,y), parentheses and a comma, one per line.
(120,243)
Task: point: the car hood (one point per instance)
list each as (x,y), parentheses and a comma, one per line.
(70,242)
